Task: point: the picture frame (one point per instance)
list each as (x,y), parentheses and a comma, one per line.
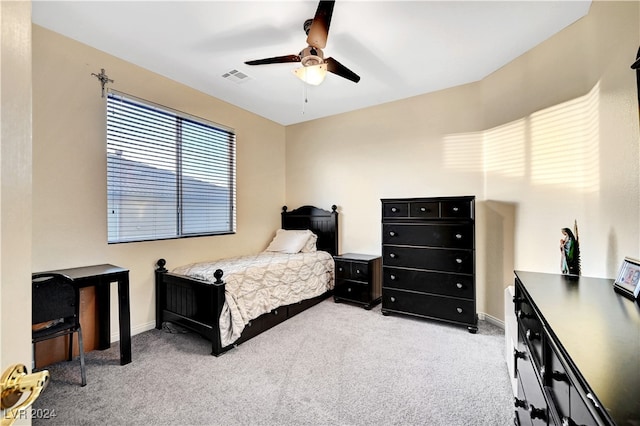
(627,282)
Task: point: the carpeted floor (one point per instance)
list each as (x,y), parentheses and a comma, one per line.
(335,364)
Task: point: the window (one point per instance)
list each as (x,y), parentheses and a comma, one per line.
(169,175)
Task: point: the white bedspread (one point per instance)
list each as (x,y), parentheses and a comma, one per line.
(257,284)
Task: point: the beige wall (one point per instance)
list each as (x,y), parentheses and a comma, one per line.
(15,189)
(485,139)
(69,169)
(548,139)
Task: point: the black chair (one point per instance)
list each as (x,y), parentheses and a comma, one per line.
(56,311)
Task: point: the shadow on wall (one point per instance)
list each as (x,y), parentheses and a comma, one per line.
(499,247)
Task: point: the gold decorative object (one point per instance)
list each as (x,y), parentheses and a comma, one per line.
(16,382)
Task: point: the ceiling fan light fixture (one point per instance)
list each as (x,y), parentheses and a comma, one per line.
(312,74)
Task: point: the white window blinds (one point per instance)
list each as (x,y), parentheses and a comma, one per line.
(168,175)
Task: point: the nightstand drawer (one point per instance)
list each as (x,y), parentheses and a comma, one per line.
(429,282)
(352,290)
(352,270)
(431,235)
(447,308)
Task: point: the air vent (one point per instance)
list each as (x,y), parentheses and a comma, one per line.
(236,76)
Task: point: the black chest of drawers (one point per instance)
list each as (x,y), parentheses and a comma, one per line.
(358,279)
(578,354)
(428,258)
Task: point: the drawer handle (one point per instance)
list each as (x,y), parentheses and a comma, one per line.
(340,269)
(275,312)
(392,255)
(349,290)
(459,310)
(532,335)
(393,209)
(459,236)
(520,403)
(393,277)
(559,376)
(458,260)
(358,271)
(455,209)
(422,209)
(459,285)
(393,299)
(593,399)
(537,413)
(522,315)
(393,234)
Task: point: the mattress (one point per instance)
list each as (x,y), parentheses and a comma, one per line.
(257,284)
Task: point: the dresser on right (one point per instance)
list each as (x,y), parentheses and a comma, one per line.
(577,360)
(428,258)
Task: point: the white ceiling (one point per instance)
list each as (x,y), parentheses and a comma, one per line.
(399,48)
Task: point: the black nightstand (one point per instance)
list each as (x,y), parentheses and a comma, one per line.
(358,279)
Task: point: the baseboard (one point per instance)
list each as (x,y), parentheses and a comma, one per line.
(115,337)
(493,320)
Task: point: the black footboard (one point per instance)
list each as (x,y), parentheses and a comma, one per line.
(197,305)
(190,303)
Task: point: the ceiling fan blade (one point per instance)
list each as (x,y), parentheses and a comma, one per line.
(275,60)
(339,69)
(319,30)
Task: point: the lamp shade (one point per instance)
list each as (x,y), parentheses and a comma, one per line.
(312,74)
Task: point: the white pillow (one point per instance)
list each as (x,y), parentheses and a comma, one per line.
(310,245)
(289,241)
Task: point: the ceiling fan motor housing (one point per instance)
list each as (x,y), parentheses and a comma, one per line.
(311,56)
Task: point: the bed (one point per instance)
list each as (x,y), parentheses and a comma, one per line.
(194,296)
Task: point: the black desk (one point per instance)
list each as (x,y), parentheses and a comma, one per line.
(101,276)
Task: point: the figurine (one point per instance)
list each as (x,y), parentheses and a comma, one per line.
(570,251)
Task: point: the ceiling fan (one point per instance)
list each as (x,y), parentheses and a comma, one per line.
(314,65)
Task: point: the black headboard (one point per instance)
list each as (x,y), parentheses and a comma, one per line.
(321,222)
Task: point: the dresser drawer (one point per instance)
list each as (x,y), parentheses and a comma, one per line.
(424,209)
(538,412)
(580,414)
(456,209)
(431,235)
(352,270)
(429,282)
(395,210)
(558,384)
(521,409)
(426,305)
(530,325)
(446,260)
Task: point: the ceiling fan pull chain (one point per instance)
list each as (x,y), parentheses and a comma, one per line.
(306,99)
